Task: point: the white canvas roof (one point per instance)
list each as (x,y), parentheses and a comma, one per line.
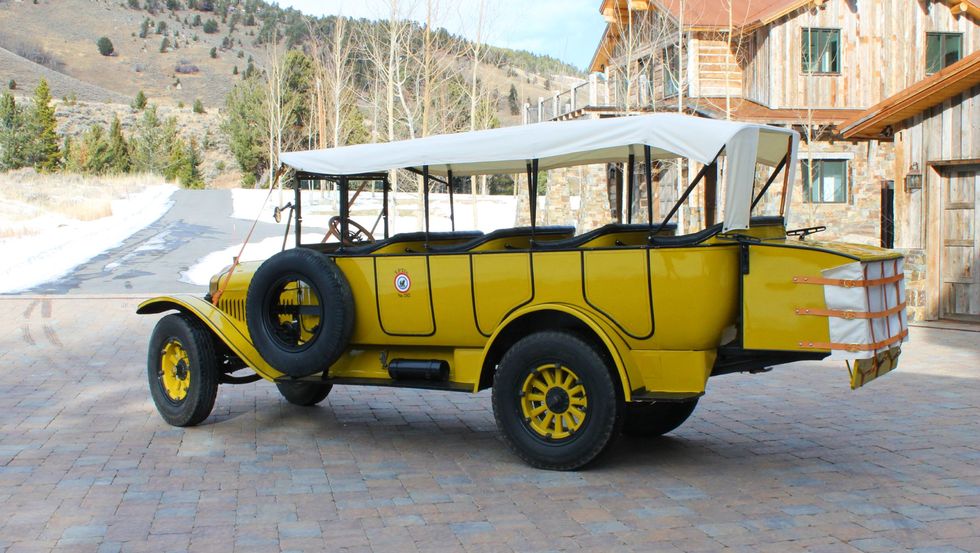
(568,143)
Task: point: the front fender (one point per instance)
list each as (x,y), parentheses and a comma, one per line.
(617,348)
(235,337)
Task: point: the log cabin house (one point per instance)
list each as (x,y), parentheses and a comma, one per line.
(849,75)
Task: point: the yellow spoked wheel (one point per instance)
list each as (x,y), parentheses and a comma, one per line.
(554,401)
(175,370)
(182,370)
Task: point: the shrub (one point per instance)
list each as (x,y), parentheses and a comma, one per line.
(211,27)
(164,45)
(12,84)
(161,27)
(140,101)
(105,46)
(214,53)
(185,68)
(198,106)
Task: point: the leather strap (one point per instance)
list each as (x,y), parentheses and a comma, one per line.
(856,347)
(847,283)
(844,314)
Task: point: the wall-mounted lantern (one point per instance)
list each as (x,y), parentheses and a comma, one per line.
(913,179)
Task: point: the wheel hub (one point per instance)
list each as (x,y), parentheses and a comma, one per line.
(557,400)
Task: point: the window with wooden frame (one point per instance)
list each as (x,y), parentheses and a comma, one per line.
(671,71)
(821,51)
(826,183)
(942,50)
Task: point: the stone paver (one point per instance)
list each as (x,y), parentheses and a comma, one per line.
(786,461)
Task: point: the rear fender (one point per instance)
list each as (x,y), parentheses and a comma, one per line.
(615,346)
(221,325)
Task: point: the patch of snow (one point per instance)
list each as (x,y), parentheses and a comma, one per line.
(65,243)
(203,269)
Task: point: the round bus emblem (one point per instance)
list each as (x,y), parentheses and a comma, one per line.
(403,283)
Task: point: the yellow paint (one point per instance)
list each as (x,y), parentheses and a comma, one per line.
(458,304)
(695,296)
(627,301)
(771,297)
(675,372)
(175,370)
(404,306)
(501,282)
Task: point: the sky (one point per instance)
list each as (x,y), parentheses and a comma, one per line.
(565,29)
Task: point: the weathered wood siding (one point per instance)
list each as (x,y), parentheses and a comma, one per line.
(716,71)
(949,131)
(883,51)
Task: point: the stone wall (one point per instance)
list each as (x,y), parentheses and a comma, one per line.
(859,219)
(915,283)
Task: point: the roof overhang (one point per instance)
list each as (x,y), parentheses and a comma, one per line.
(876,121)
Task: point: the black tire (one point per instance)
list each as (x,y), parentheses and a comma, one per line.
(291,347)
(601,417)
(649,420)
(304,394)
(181,356)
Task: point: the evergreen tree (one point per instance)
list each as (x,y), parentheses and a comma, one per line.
(164,44)
(244,131)
(13,136)
(92,154)
(118,148)
(43,151)
(139,102)
(211,27)
(214,53)
(189,174)
(176,160)
(151,143)
(512,99)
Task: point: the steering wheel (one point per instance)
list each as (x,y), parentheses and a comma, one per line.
(355,231)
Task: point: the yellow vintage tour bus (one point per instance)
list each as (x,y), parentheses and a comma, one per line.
(580,335)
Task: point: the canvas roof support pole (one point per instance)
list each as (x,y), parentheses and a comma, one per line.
(648,170)
(297,209)
(687,192)
(532,192)
(630,178)
(452,211)
(786,183)
(619,194)
(710,194)
(344,209)
(425,200)
(385,187)
(772,178)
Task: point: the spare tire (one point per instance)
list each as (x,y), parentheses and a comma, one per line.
(300,312)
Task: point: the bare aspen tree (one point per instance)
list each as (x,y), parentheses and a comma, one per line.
(278,107)
(475,99)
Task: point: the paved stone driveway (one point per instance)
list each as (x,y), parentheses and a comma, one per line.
(786,461)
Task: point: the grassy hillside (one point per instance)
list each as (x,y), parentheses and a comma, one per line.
(57,40)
